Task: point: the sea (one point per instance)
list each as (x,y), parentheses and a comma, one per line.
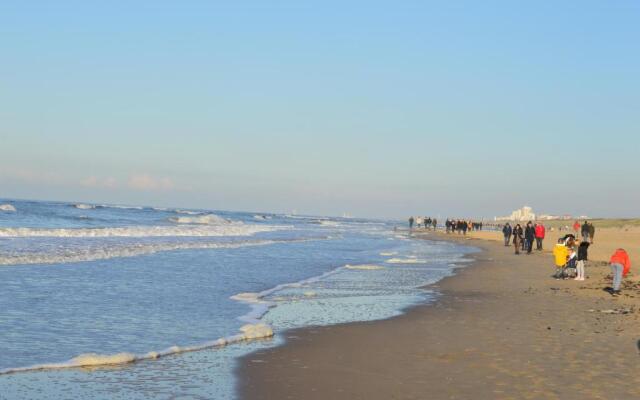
(106,301)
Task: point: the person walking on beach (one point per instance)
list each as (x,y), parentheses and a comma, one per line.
(540,233)
(592,232)
(517,237)
(582,259)
(506,232)
(435,223)
(576,227)
(620,266)
(585,231)
(411,220)
(529,236)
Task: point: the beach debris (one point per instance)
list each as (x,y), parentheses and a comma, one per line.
(629,310)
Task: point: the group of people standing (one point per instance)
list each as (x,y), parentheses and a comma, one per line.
(587,230)
(523,239)
(461,226)
(426,222)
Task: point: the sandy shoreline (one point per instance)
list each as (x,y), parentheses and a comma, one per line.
(502,329)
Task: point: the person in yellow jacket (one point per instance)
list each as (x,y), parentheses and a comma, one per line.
(560,254)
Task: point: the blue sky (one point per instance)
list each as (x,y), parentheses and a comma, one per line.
(372,108)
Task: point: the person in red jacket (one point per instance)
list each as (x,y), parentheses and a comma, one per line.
(540,232)
(576,227)
(620,265)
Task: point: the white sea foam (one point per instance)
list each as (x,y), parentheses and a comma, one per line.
(247,332)
(188,212)
(7,207)
(84,206)
(121,207)
(329,223)
(256,331)
(364,267)
(209,219)
(229,229)
(405,261)
(388,253)
(133,250)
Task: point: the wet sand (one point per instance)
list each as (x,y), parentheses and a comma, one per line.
(502,329)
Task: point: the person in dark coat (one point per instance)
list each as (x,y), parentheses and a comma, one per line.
(582,259)
(506,232)
(529,236)
(592,232)
(517,237)
(585,231)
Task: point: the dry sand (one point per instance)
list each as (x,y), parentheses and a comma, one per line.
(503,329)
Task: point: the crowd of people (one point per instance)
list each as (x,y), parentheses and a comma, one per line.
(523,239)
(570,256)
(461,226)
(425,222)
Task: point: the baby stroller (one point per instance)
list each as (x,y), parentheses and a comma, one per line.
(569,270)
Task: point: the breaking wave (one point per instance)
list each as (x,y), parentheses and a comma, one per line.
(364,267)
(189,212)
(406,261)
(120,207)
(230,229)
(253,329)
(247,332)
(132,250)
(84,206)
(7,207)
(209,219)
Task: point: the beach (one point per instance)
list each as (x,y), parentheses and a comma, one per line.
(501,329)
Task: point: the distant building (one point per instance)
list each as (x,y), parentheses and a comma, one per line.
(523,214)
(527,214)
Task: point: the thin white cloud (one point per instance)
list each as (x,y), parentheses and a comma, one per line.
(31,176)
(95,182)
(147,182)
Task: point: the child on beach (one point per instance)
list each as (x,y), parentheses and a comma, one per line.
(620,266)
(570,269)
(560,254)
(582,259)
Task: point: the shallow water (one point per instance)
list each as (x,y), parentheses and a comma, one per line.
(78,279)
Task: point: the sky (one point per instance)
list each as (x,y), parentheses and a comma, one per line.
(375,109)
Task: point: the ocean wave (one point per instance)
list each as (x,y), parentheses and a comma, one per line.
(364,267)
(247,332)
(120,207)
(84,206)
(133,250)
(7,208)
(209,219)
(188,212)
(234,229)
(409,260)
(325,222)
(252,329)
